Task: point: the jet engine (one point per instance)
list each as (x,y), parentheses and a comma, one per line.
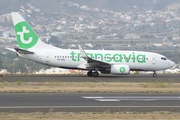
(120,69)
(117,69)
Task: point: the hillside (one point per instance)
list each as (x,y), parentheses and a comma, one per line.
(6,6)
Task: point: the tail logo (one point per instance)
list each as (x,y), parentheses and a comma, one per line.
(22,36)
(26,37)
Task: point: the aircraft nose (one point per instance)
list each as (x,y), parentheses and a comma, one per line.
(171,63)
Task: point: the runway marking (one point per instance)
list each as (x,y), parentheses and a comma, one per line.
(29,107)
(107,100)
(93,97)
(157,97)
(134,98)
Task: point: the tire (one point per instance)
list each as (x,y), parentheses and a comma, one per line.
(154,75)
(89,74)
(95,74)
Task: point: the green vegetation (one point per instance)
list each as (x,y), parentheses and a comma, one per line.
(19,82)
(145,85)
(157,84)
(136,72)
(1,63)
(15,64)
(89,87)
(160,85)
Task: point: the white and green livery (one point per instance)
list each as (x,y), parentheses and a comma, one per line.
(106,61)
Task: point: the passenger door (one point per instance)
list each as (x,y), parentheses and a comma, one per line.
(47,57)
(153,59)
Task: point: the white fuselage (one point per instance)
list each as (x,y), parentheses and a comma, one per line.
(67,58)
(106,61)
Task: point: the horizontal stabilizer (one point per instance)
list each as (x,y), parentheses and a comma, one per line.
(11,49)
(22,51)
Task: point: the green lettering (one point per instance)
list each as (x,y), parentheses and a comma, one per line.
(120,58)
(108,56)
(134,57)
(99,54)
(72,55)
(142,59)
(127,59)
(79,54)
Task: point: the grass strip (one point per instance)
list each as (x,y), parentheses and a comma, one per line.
(89,115)
(155,87)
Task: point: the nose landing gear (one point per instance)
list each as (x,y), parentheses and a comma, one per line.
(154,75)
(92,74)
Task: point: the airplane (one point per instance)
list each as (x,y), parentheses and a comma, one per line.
(105,61)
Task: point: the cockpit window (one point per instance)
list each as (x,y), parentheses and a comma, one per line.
(163,58)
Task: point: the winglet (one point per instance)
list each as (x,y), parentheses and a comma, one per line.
(83,54)
(93,62)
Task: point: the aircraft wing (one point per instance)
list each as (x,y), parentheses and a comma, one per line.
(92,62)
(19,50)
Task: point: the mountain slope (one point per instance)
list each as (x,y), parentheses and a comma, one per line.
(6,6)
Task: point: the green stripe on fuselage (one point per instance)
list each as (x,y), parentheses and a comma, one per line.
(112,57)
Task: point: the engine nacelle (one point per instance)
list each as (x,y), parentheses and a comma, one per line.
(120,69)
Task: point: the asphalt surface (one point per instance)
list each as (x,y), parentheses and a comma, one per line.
(175,78)
(88,102)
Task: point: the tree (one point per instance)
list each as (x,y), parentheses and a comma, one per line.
(169,37)
(53,40)
(133,42)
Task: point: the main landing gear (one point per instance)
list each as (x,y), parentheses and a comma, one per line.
(92,74)
(154,75)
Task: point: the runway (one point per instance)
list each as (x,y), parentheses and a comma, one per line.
(88,102)
(175,78)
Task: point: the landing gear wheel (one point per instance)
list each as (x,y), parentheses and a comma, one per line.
(95,74)
(90,74)
(154,75)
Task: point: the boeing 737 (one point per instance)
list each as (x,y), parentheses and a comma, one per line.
(105,61)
